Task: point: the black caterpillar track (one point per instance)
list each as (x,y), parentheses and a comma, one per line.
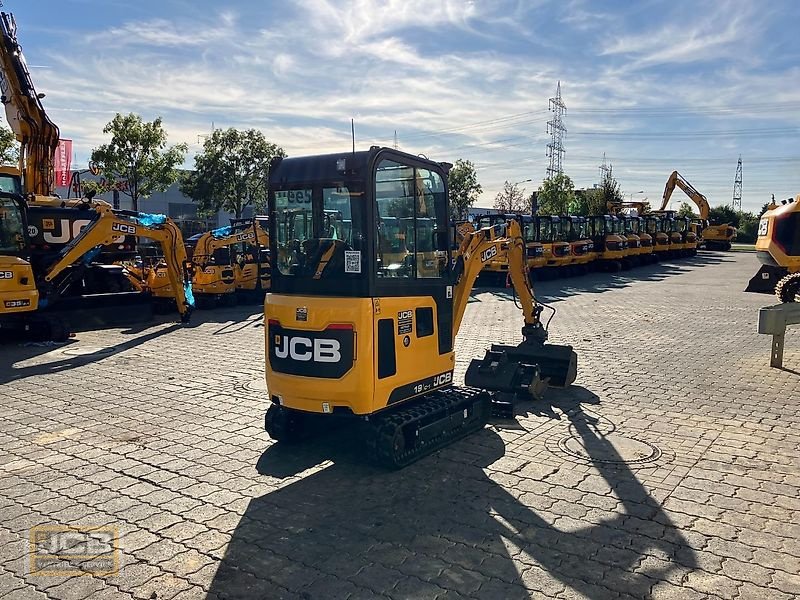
(404,435)
(788,288)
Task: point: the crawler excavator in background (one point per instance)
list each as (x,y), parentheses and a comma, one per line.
(778,251)
(713,237)
(350,334)
(28,293)
(53,222)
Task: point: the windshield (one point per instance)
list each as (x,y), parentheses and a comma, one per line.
(11,227)
(547,230)
(617,226)
(10,184)
(632,225)
(311,224)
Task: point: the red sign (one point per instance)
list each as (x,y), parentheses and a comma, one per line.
(62,162)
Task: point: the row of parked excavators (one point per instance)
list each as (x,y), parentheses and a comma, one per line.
(566,246)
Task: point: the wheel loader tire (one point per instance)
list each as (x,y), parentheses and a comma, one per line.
(788,288)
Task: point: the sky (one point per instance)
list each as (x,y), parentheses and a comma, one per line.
(655,86)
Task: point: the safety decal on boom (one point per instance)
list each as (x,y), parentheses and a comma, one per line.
(420,387)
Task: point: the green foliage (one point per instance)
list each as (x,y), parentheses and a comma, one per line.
(588,202)
(764,208)
(9,148)
(463,187)
(138,155)
(556,195)
(610,188)
(686,210)
(721,215)
(231,172)
(747,228)
(512,199)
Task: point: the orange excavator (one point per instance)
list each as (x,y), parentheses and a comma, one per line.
(713,237)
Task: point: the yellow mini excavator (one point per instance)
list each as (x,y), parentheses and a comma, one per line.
(778,250)
(347,334)
(27,294)
(713,237)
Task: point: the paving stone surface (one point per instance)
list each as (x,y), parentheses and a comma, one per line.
(670,470)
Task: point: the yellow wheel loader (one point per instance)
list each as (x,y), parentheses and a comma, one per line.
(348,335)
(778,250)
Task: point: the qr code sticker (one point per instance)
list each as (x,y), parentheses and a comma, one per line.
(352,261)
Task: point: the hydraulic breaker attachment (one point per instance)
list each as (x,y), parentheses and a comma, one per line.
(525,369)
(766,279)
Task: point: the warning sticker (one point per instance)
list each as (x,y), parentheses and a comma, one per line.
(405,322)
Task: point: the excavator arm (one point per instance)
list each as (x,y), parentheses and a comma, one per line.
(110,224)
(676,179)
(37,134)
(227,236)
(531,366)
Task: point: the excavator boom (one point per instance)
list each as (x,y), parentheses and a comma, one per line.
(37,134)
(676,179)
(109,224)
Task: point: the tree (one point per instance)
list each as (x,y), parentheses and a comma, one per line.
(138,156)
(556,195)
(720,215)
(231,171)
(610,187)
(463,186)
(9,149)
(686,210)
(747,227)
(511,199)
(588,202)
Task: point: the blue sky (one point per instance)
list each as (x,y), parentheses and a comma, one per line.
(656,86)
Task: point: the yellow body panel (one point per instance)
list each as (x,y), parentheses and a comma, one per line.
(360,389)
(552,256)
(766,234)
(18,292)
(214,279)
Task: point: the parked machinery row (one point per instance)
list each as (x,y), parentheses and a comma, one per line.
(564,246)
(230,265)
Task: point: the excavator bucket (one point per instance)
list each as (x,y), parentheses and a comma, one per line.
(525,369)
(765,280)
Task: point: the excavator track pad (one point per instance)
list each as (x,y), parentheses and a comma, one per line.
(527,369)
(403,436)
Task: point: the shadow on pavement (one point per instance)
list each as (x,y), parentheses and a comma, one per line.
(552,290)
(442,523)
(24,352)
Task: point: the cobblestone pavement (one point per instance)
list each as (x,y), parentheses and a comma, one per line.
(671,470)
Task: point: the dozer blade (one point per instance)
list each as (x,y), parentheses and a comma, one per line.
(525,369)
(765,280)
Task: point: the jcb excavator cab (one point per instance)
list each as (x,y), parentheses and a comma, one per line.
(534,250)
(636,226)
(575,230)
(214,280)
(630,229)
(350,332)
(498,266)
(17,286)
(609,243)
(556,249)
(654,226)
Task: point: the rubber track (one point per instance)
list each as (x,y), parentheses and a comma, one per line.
(435,407)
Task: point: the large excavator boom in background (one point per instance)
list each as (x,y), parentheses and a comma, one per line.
(36,133)
(714,237)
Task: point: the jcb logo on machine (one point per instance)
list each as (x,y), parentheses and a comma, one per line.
(124,228)
(245,236)
(488,253)
(17,303)
(763,227)
(306,349)
(160,274)
(6,274)
(325,354)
